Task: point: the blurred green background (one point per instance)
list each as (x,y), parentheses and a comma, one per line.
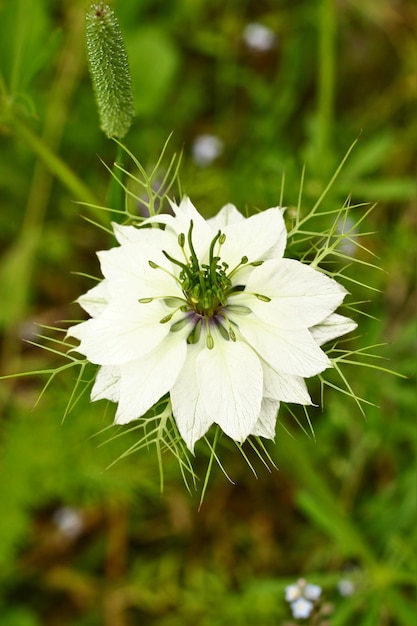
(278,84)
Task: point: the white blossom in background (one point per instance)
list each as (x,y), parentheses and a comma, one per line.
(347,244)
(259,37)
(302,597)
(211,313)
(69,521)
(346,587)
(301,608)
(312,592)
(293,593)
(206,149)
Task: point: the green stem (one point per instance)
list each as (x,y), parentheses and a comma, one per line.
(326,77)
(116,195)
(75,185)
(19,42)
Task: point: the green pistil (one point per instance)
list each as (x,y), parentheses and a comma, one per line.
(185,268)
(193,258)
(204,286)
(214,259)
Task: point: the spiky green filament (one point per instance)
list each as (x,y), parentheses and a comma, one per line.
(109,70)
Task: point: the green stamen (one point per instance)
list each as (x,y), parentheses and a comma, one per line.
(223,332)
(166,319)
(230,330)
(262,298)
(172,303)
(209,338)
(209,342)
(243,261)
(179,325)
(240,309)
(194,335)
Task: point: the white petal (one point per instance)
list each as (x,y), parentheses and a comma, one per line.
(202,235)
(128,271)
(278,249)
(145,381)
(301,608)
(185,213)
(95,300)
(300,296)
(154,237)
(123,333)
(230,381)
(254,237)
(287,351)
(107,384)
(332,327)
(266,422)
(192,420)
(284,387)
(227,215)
(126,234)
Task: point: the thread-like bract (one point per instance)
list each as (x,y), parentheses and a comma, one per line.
(109,70)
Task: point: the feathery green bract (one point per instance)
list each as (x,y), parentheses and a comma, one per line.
(109,70)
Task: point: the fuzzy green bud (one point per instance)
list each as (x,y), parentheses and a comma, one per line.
(109,70)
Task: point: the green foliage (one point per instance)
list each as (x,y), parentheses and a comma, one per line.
(342,503)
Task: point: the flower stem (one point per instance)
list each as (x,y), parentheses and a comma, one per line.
(326,78)
(71,181)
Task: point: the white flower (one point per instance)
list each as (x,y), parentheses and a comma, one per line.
(206,149)
(346,587)
(292,592)
(312,592)
(259,37)
(302,596)
(301,608)
(210,313)
(69,521)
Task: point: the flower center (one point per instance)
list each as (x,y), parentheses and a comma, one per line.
(206,289)
(206,286)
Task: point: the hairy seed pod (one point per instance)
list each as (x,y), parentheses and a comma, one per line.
(109,70)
